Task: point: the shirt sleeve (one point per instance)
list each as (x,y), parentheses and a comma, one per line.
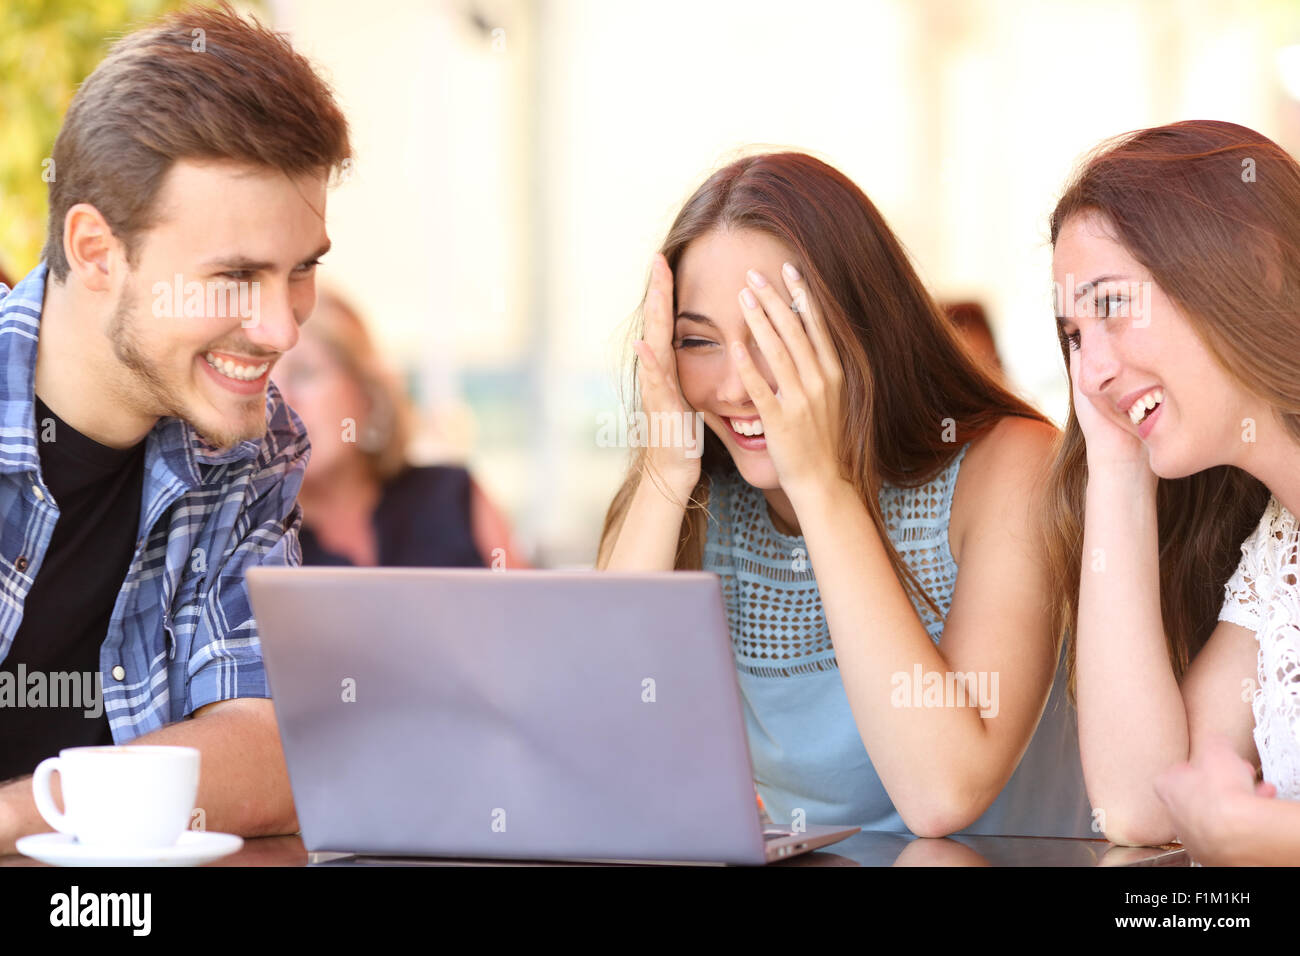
(1241,595)
(225,659)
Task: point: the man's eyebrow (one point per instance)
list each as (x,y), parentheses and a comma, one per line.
(696,317)
(1088,286)
(239,263)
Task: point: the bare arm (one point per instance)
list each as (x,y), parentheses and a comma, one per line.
(1135,721)
(646,538)
(243,781)
(1132,720)
(943,766)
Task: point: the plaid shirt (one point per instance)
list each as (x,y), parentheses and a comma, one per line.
(182,633)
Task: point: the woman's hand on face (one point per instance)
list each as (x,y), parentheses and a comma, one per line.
(1108,444)
(676,434)
(802,420)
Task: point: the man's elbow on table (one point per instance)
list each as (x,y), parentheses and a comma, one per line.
(251,780)
(255,816)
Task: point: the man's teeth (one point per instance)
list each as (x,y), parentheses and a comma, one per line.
(748,428)
(243,373)
(1145,404)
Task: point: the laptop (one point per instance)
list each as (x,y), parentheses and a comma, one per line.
(524,715)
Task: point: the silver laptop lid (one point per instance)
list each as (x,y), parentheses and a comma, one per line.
(528,714)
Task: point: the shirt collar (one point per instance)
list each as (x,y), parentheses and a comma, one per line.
(179,446)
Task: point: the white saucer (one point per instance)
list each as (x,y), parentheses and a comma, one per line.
(193,848)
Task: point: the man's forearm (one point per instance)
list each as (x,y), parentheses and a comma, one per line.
(243,781)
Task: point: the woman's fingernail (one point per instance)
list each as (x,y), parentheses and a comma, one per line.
(748,297)
(756,279)
(791,272)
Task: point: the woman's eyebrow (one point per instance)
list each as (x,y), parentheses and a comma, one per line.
(1089,286)
(696,317)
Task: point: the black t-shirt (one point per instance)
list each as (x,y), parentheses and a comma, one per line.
(66,614)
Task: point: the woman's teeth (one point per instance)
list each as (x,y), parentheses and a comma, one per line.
(1145,405)
(242,373)
(748,428)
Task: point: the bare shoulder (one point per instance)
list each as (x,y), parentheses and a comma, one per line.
(1001,476)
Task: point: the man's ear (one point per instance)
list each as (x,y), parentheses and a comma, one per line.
(90,247)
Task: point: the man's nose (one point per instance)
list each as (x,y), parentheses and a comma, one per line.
(271,322)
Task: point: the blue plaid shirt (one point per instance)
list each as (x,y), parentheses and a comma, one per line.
(182,633)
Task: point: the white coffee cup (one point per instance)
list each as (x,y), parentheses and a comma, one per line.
(129,797)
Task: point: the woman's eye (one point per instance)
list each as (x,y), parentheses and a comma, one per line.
(239,276)
(1110,305)
(692,343)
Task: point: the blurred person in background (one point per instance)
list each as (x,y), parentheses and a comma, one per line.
(1176,261)
(972,323)
(363,502)
(866,492)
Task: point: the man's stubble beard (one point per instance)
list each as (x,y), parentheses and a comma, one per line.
(158,399)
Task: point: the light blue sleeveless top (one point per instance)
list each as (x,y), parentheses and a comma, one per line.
(804,743)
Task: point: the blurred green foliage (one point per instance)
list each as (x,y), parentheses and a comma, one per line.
(47,47)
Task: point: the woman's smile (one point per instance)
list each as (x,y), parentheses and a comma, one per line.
(747,432)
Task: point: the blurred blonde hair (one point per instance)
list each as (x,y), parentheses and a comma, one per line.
(385,428)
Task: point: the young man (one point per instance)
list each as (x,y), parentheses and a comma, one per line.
(146,461)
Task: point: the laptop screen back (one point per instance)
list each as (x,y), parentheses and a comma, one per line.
(541,715)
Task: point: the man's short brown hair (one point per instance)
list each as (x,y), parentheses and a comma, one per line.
(202,83)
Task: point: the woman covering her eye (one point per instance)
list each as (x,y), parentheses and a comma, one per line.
(869,497)
(1176,259)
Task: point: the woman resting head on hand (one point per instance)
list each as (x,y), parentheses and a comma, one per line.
(1176,258)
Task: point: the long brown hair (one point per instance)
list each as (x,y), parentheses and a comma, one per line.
(1212,210)
(912,393)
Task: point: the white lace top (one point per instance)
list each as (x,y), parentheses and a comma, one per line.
(1263,595)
